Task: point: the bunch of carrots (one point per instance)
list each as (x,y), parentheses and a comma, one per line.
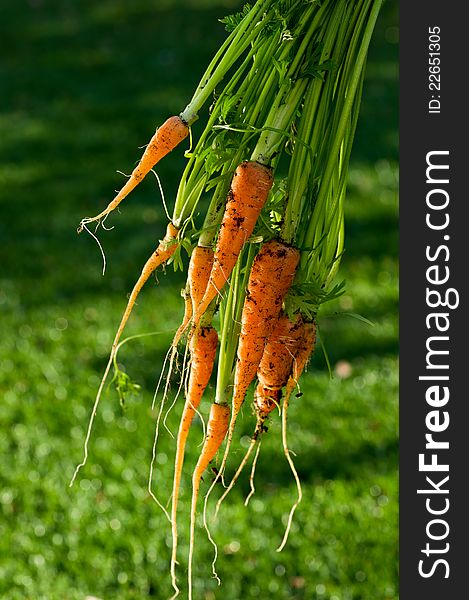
(268,175)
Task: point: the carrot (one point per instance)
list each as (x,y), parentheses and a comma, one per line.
(216,431)
(302,356)
(271,277)
(265,401)
(203,346)
(277,358)
(200,268)
(165,139)
(163,252)
(198,274)
(249,190)
(197,277)
(273,373)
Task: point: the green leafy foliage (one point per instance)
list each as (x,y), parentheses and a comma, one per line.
(232,21)
(124,386)
(306,298)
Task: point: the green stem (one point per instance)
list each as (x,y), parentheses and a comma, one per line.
(344,116)
(277,123)
(224,59)
(230,323)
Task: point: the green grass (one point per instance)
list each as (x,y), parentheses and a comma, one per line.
(83,85)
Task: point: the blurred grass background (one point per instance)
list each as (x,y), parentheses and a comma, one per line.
(83,86)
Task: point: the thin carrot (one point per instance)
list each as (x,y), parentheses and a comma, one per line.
(302,357)
(203,346)
(165,139)
(200,268)
(216,431)
(163,252)
(198,275)
(249,190)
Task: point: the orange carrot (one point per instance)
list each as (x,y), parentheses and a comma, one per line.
(302,355)
(279,352)
(165,139)
(216,431)
(203,346)
(249,190)
(163,252)
(200,267)
(271,277)
(265,401)
(198,274)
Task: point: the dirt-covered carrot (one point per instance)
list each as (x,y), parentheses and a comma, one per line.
(165,139)
(203,346)
(217,427)
(249,190)
(282,346)
(302,354)
(271,276)
(163,252)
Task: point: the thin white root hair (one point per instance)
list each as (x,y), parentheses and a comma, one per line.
(163,200)
(83,226)
(153,458)
(92,417)
(174,562)
(160,379)
(174,584)
(103,226)
(177,591)
(286,451)
(184,375)
(112,357)
(212,541)
(251,477)
(218,476)
(235,476)
(157,425)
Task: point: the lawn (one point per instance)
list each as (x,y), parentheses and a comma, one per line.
(83,86)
